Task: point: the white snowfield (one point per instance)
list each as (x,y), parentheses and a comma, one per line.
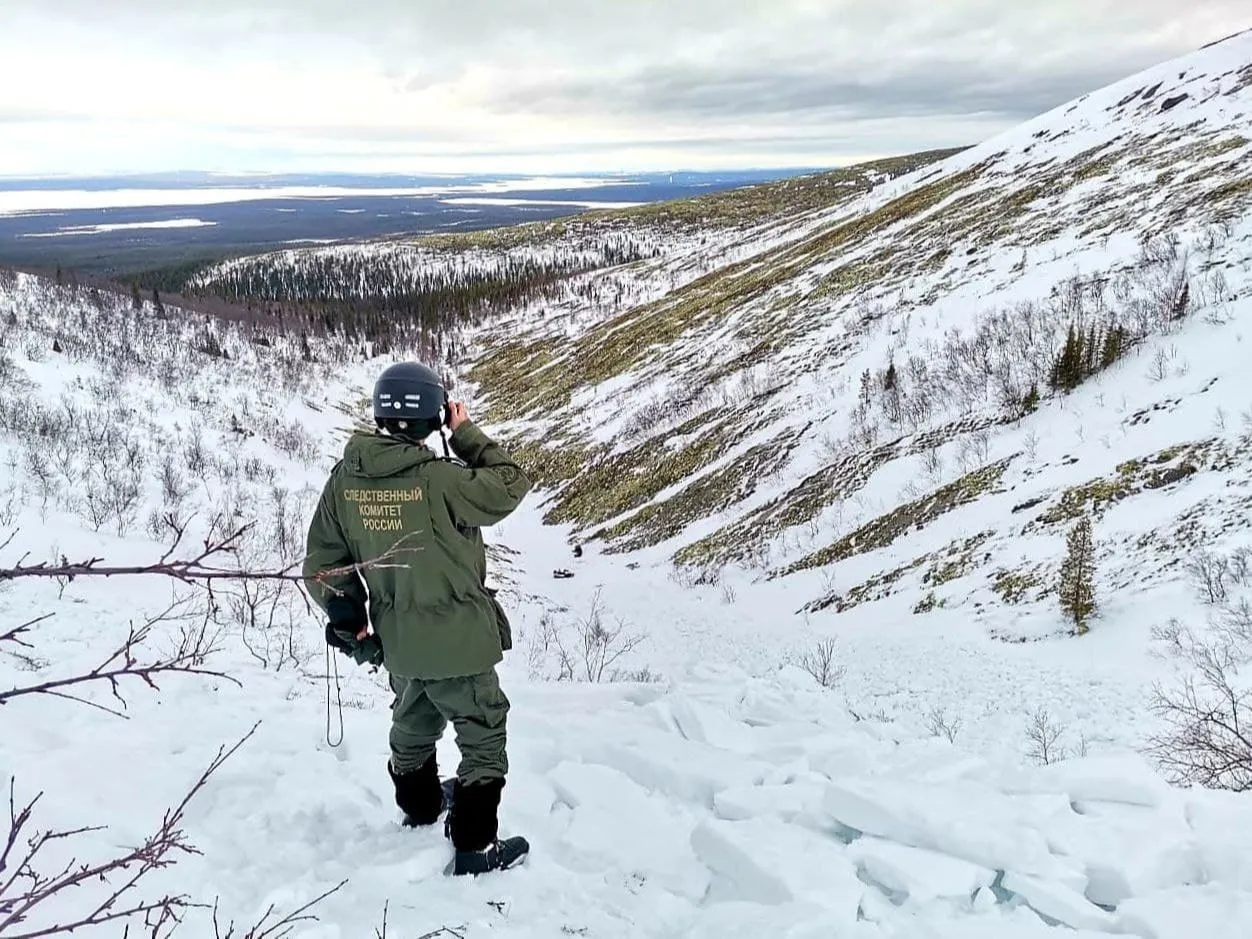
(69,230)
(23,201)
(730,796)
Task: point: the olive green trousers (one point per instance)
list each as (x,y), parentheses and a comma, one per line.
(476,707)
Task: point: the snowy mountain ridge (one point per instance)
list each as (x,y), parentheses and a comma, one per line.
(702,405)
(755,395)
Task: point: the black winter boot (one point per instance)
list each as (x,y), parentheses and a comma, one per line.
(499,856)
(474,830)
(419,794)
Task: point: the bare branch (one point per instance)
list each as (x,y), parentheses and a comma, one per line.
(263,929)
(198,569)
(124,663)
(28,890)
(12,634)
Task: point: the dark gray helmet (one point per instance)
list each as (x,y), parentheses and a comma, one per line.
(410,392)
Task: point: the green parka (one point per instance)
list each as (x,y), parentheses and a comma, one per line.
(428,602)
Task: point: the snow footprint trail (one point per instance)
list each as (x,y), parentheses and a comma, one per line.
(731,806)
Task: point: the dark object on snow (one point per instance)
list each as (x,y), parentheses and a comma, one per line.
(473,828)
(420,795)
(1170,103)
(578,550)
(562,574)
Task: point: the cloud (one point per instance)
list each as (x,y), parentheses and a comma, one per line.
(230,84)
(810,93)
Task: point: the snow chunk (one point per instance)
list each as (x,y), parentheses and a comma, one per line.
(920,874)
(1122,778)
(780,801)
(1058,902)
(774,864)
(963,820)
(1210,911)
(614,824)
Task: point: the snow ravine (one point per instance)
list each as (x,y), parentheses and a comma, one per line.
(725,792)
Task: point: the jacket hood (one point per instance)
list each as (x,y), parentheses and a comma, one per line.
(377,456)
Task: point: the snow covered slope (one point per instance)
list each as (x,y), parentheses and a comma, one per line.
(717,801)
(848,406)
(703,406)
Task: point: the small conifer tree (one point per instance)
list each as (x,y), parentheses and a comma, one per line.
(1077,586)
(1114,346)
(1030,400)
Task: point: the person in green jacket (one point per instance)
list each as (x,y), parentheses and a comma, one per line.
(396,560)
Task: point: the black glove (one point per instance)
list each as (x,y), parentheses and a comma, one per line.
(346,619)
(346,614)
(341,638)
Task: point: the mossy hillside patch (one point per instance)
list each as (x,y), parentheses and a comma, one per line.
(549,466)
(614,347)
(1020,586)
(713,492)
(754,204)
(618,483)
(804,502)
(910,517)
(956,560)
(876,588)
(933,215)
(1132,477)
(512,375)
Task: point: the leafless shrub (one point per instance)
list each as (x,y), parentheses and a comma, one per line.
(267,615)
(932,464)
(1209,574)
(939,723)
(273,925)
(698,575)
(123,492)
(194,454)
(1206,718)
(257,470)
(601,645)
(95,503)
(1044,736)
(1159,370)
(820,662)
(540,645)
(293,439)
(974,450)
(587,649)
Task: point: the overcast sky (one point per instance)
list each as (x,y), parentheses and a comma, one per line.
(91,86)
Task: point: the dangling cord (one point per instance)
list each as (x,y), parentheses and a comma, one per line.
(332,668)
(444,440)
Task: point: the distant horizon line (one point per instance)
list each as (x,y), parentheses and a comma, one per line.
(365,174)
